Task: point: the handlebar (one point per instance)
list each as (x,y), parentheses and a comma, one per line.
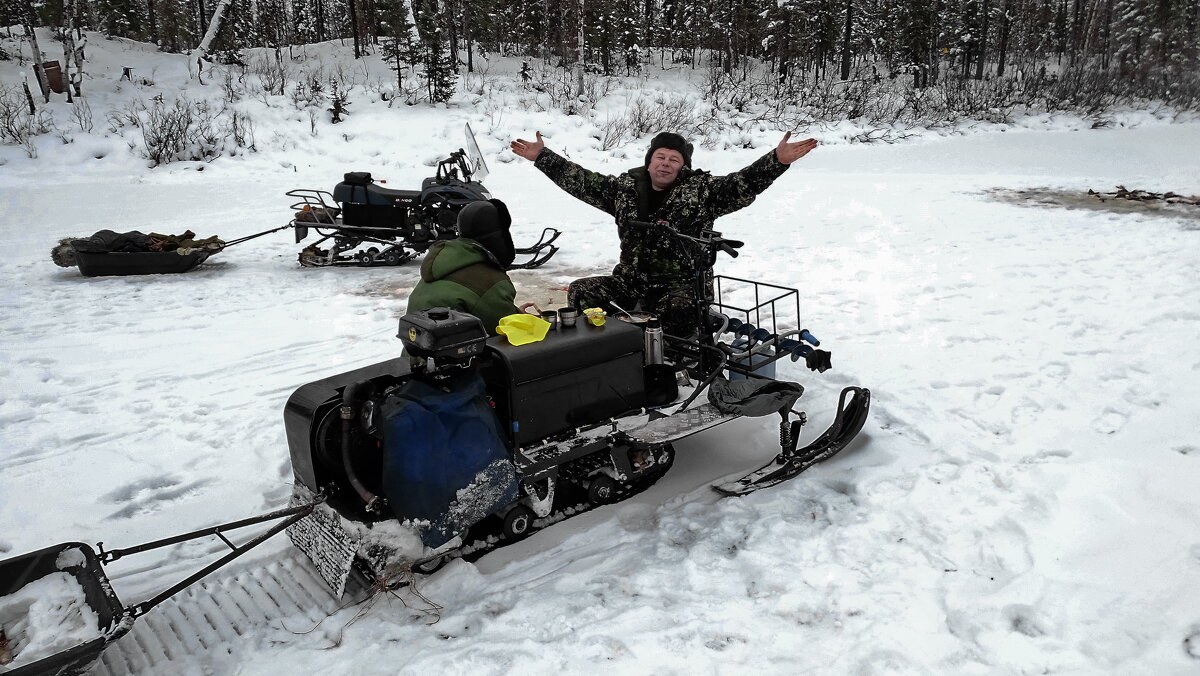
(710,239)
(450,167)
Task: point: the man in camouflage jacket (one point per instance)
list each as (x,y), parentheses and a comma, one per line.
(656,268)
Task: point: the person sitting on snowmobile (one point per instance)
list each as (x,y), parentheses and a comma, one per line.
(467,273)
(655,269)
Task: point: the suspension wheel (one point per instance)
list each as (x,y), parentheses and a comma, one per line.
(518,523)
(602,490)
(391,258)
(365,258)
(430,566)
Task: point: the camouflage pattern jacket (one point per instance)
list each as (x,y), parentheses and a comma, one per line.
(652,255)
(461,274)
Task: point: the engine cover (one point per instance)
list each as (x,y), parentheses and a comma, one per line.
(442,334)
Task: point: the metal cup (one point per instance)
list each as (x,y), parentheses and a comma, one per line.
(567,316)
(552,317)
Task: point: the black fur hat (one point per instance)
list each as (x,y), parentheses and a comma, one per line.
(488,223)
(671,141)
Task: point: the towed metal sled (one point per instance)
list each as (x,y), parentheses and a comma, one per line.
(84,567)
(362,222)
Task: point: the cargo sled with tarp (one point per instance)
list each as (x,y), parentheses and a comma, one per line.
(109,253)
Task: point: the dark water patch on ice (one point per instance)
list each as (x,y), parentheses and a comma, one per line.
(386,288)
(1071,199)
(533,286)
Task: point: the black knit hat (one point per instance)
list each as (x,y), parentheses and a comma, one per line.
(671,141)
(488,223)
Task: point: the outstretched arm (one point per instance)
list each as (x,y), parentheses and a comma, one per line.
(787,153)
(598,190)
(529,149)
(734,191)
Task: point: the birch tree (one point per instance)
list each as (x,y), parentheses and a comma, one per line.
(214,26)
(38,58)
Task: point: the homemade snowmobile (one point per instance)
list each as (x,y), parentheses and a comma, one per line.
(366,223)
(472,442)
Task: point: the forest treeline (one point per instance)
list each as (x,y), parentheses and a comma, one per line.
(1073,53)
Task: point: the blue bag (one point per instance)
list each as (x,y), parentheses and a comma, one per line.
(444,461)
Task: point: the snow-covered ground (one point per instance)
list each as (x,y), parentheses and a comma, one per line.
(1022,500)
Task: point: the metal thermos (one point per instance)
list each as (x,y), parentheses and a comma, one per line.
(654,342)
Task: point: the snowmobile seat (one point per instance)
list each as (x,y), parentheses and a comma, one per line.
(377,193)
(373,193)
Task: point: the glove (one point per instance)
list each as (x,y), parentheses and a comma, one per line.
(818,360)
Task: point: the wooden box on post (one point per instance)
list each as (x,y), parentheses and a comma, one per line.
(53,70)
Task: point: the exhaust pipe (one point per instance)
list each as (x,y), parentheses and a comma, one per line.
(373,502)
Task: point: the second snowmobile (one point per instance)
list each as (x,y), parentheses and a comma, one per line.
(367,223)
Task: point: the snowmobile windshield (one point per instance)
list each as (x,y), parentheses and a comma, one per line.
(479,169)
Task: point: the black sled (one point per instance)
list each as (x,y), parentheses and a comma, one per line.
(364,223)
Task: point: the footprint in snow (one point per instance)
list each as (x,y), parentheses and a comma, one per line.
(1191,644)
(130,491)
(719,642)
(947,470)
(1110,421)
(150,495)
(1047,456)
(1058,370)
(1028,411)
(1024,619)
(1004,553)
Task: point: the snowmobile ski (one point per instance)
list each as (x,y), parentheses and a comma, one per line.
(539,252)
(790,463)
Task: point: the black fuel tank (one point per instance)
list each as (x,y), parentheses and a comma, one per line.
(575,376)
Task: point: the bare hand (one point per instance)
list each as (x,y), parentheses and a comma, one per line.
(528,149)
(790,152)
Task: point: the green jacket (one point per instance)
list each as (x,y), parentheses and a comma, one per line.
(461,274)
(652,255)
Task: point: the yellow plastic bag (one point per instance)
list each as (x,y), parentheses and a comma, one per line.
(595,316)
(523,328)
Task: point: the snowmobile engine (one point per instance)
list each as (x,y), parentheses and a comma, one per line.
(442,335)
